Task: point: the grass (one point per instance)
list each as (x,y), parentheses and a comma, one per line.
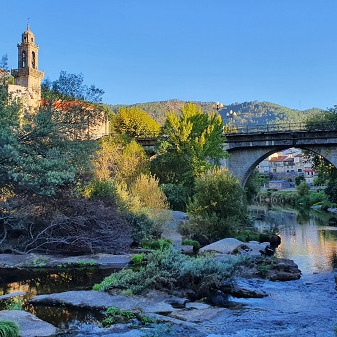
(156,244)
(14,304)
(115,315)
(9,329)
(138,259)
(194,243)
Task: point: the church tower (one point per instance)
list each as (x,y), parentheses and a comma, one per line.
(27,75)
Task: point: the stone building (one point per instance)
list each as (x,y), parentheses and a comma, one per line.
(27,78)
(27,83)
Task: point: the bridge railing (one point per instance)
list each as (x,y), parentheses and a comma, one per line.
(279,127)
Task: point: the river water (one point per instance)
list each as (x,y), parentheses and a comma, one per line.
(302,308)
(306,238)
(307,307)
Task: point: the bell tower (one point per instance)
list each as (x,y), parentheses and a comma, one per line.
(27,75)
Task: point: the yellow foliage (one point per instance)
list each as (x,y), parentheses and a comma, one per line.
(120,160)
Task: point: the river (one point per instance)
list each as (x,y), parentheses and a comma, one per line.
(307,307)
(303,308)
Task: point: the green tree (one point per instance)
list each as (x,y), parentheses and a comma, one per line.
(303,189)
(135,122)
(253,185)
(323,120)
(70,87)
(36,156)
(219,206)
(192,144)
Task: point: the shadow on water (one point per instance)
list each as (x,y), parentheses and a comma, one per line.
(45,281)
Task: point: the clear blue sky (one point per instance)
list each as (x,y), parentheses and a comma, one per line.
(283,51)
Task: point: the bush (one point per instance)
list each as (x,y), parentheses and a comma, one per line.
(331,191)
(247,235)
(156,244)
(138,259)
(98,189)
(145,206)
(303,188)
(177,196)
(142,226)
(9,329)
(194,243)
(169,269)
(298,180)
(218,193)
(210,226)
(218,206)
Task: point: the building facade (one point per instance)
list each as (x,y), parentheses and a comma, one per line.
(27,84)
(288,165)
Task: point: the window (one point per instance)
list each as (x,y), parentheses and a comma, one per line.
(24,59)
(32,39)
(33,59)
(299,170)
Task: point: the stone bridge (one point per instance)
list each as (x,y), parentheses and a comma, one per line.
(247,147)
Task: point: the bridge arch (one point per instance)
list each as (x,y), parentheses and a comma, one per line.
(254,162)
(248,150)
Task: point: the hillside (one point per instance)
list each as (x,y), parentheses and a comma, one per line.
(246,113)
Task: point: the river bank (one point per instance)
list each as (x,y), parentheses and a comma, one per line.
(305,307)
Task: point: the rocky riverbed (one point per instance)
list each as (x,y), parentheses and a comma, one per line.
(255,305)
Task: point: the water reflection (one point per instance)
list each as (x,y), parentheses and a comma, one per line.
(306,237)
(46,281)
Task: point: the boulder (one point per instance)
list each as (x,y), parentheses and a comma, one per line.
(284,270)
(332,210)
(30,325)
(254,249)
(198,316)
(187,249)
(243,288)
(17,294)
(317,208)
(224,246)
(152,302)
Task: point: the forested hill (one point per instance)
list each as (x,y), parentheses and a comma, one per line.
(246,113)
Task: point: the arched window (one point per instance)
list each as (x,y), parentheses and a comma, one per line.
(33,59)
(24,59)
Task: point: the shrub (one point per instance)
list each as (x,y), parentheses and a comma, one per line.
(298,180)
(145,206)
(247,235)
(177,196)
(115,315)
(331,190)
(303,188)
(210,226)
(9,329)
(157,244)
(194,243)
(218,193)
(121,159)
(142,226)
(14,304)
(169,269)
(100,189)
(138,259)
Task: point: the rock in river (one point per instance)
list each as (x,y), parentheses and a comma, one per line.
(30,325)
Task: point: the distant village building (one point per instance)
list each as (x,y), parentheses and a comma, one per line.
(288,165)
(278,184)
(27,82)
